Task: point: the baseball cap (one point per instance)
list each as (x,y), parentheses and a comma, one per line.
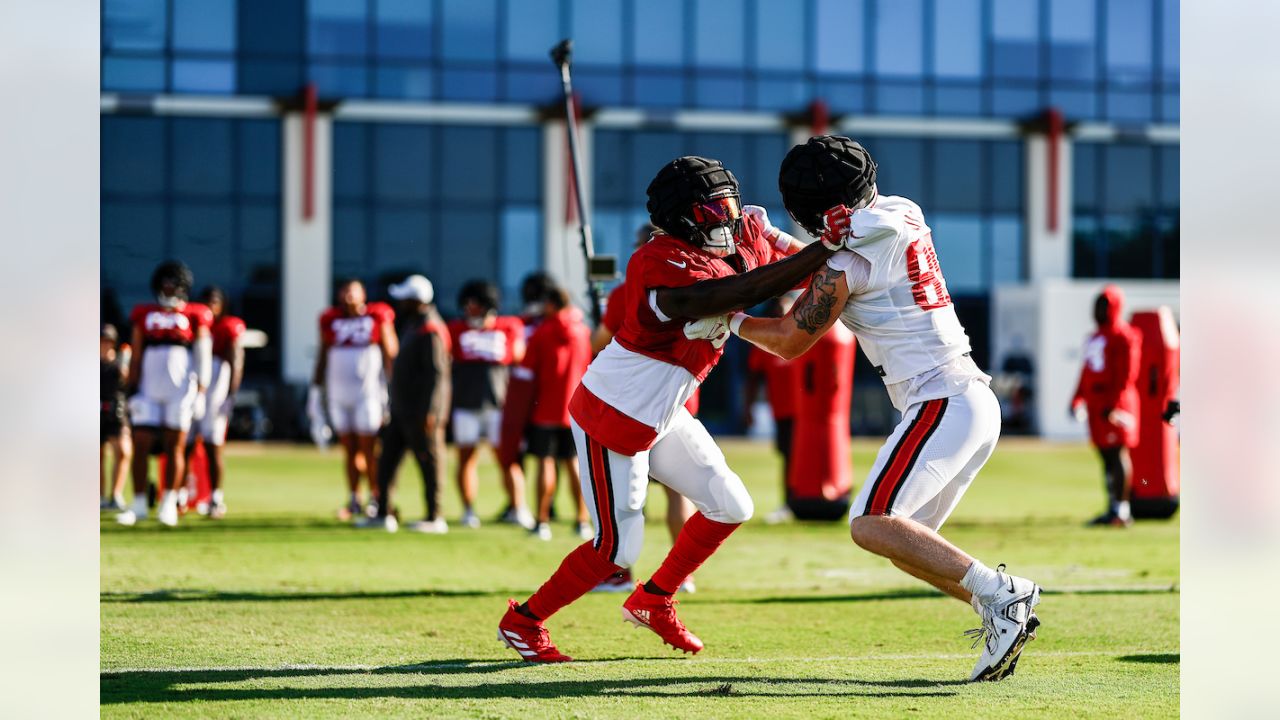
(109,333)
(414,287)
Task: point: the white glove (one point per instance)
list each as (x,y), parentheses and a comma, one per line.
(714,328)
(320,432)
(760,214)
(200,407)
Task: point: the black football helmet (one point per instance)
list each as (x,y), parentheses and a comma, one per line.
(696,199)
(177,275)
(826,171)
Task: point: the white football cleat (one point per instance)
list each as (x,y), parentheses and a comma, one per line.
(584,531)
(470,520)
(129,518)
(781,515)
(525,519)
(1008,622)
(168,513)
(542,531)
(388,523)
(431,527)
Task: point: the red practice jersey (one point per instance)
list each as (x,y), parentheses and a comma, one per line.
(558,354)
(778,379)
(497,344)
(337,329)
(1108,378)
(226,330)
(165,326)
(614,310)
(635,386)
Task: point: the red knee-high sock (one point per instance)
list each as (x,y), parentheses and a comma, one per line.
(698,539)
(580,571)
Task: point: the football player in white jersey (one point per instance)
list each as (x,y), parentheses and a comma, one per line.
(887,287)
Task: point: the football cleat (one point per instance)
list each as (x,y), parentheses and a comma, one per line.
(618,582)
(528,637)
(583,530)
(168,513)
(688,586)
(658,613)
(431,527)
(542,531)
(782,515)
(1008,622)
(350,510)
(388,523)
(470,519)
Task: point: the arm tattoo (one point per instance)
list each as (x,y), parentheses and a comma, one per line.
(813,311)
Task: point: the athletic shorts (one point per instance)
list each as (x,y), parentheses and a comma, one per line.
(171,413)
(469,426)
(362,415)
(550,442)
(925,466)
(212,424)
(684,458)
(110,427)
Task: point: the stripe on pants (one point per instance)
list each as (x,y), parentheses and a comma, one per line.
(903,458)
(602,487)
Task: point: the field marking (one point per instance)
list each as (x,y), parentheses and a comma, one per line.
(482,664)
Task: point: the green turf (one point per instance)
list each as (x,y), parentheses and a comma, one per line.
(280,610)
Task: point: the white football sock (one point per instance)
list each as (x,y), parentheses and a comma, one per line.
(1122,510)
(976,604)
(217,497)
(982,581)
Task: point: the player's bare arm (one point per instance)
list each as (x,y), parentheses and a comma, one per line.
(390,347)
(237,366)
(813,314)
(724,295)
(135,360)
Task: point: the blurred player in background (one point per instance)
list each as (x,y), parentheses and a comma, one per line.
(357,348)
(228,371)
(628,415)
(888,289)
(484,346)
(420,388)
(553,365)
(679,509)
(170,369)
(113,424)
(1107,397)
(777,376)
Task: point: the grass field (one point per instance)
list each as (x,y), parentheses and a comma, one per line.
(280,610)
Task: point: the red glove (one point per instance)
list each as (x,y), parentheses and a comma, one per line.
(835,227)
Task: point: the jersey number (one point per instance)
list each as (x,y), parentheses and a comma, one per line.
(928,287)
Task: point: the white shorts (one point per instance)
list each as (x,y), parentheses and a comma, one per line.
(363,415)
(212,423)
(925,466)
(470,425)
(684,459)
(171,413)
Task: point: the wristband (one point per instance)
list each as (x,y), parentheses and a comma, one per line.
(735,323)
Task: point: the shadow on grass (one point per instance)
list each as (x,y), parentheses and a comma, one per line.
(178,596)
(167,686)
(1153,658)
(924,593)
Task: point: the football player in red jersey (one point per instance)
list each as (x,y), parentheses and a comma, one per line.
(1107,397)
(357,348)
(168,372)
(628,416)
(485,345)
(228,370)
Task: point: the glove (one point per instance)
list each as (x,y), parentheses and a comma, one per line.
(836,224)
(1077,412)
(320,432)
(760,214)
(1172,410)
(714,328)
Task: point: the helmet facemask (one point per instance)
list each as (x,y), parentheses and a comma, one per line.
(717,223)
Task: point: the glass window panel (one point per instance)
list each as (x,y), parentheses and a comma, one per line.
(202,238)
(899,98)
(612,234)
(650,150)
(350,225)
(269,77)
(957,39)
(957,100)
(596,29)
(474,256)
(1170,175)
(533,86)
(272,29)
(1129,106)
(469,85)
(1168,233)
(522,164)
(782,94)
(521,250)
(1072,52)
(1129,245)
(958,239)
(957,175)
(531,27)
(401,242)
(337,27)
(778,24)
(901,167)
(1086,247)
(609,171)
(1170,41)
(1015,38)
(656,88)
(402,83)
(843,95)
(469,164)
(404,28)
(133,25)
(1006,175)
(899,38)
(402,162)
(1127,169)
(132,243)
(259,149)
(1128,41)
(719,33)
(1084,177)
(133,155)
(1170,107)
(259,239)
(132,74)
(469,29)
(207,25)
(597,87)
(837,36)
(1075,104)
(350,160)
(201,156)
(1006,250)
(204,76)
(1016,102)
(339,79)
(657,35)
(720,92)
(766,153)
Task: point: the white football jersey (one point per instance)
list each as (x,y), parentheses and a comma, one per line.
(898,303)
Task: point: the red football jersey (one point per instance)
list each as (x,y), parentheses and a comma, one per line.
(498,344)
(164,326)
(226,330)
(337,329)
(667,262)
(1108,377)
(557,357)
(615,308)
(778,380)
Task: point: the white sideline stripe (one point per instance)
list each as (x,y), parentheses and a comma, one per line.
(696,661)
